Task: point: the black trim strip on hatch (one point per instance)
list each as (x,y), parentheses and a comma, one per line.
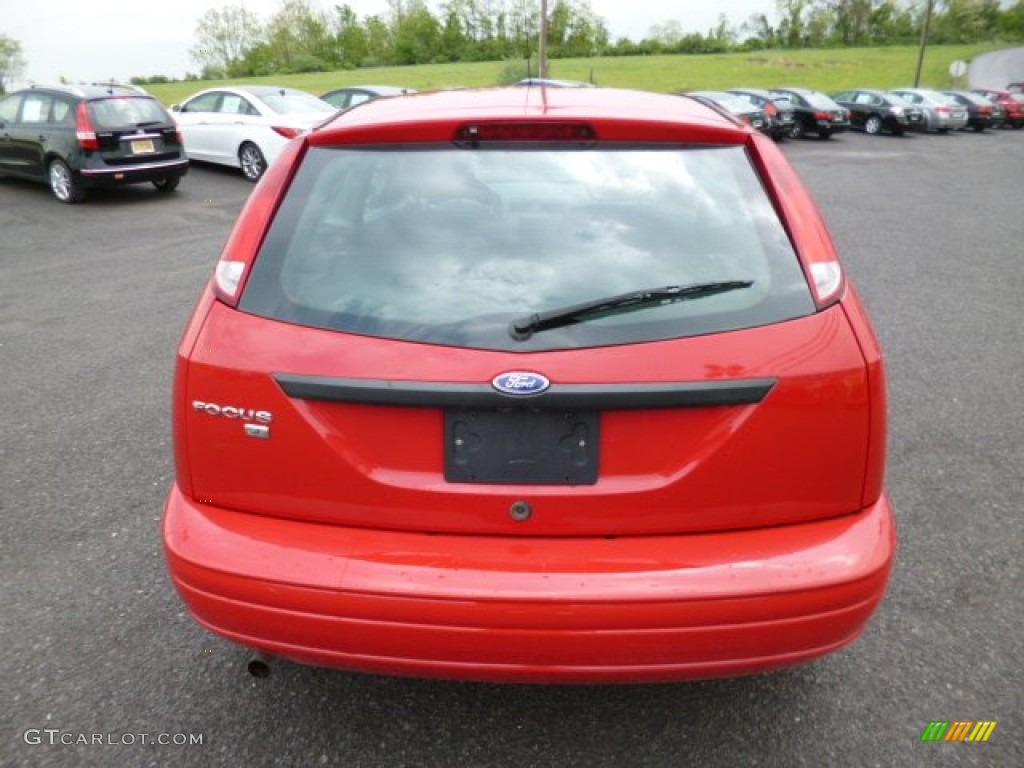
(427,394)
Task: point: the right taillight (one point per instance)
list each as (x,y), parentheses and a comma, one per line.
(84,129)
(251,227)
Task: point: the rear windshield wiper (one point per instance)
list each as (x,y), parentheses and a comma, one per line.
(524,327)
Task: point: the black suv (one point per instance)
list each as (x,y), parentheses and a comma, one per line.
(83,136)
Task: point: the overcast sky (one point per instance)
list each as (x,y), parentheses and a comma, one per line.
(85,40)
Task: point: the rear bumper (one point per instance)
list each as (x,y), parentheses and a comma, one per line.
(941,123)
(829,126)
(527,609)
(113,176)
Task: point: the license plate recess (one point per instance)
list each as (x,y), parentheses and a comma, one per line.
(521,446)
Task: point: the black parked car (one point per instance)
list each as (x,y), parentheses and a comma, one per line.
(778,112)
(85,136)
(981,113)
(813,112)
(742,109)
(877,111)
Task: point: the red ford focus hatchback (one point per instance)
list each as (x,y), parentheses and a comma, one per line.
(549,385)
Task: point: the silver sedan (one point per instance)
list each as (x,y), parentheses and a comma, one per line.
(941,113)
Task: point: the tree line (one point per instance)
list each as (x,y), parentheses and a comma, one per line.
(303,37)
(824,23)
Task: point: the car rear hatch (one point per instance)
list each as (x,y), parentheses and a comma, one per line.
(913,115)
(398,367)
(128,130)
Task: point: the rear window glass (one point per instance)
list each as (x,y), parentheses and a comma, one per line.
(126,111)
(979,101)
(819,100)
(285,102)
(449,246)
(727,100)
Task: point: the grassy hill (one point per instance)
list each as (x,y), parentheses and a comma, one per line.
(828,70)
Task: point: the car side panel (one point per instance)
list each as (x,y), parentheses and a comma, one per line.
(23,153)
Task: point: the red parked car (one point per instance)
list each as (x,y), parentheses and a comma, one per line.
(1012,104)
(547,385)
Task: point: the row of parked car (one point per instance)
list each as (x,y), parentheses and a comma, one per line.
(102,135)
(798,112)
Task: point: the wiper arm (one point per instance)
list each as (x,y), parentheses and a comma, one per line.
(524,327)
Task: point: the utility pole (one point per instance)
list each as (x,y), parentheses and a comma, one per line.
(543,45)
(924,42)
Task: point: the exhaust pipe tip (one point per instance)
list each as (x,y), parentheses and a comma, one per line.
(259,666)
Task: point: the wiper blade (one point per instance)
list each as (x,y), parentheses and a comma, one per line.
(524,327)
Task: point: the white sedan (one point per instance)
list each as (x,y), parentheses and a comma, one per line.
(246,126)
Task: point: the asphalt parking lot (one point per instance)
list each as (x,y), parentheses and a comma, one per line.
(96,644)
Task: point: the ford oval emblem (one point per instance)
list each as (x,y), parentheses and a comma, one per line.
(520,383)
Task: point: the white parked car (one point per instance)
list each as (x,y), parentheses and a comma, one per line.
(246,126)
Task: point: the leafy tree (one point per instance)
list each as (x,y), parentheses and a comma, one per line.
(892,22)
(1012,22)
(299,39)
(224,36)
(759,33)
(966,21)
(453,38)
(350,38)
(791,27)
(259,61)
(574,30)
(417,34)
(12,62)
(852,20)
(378,41)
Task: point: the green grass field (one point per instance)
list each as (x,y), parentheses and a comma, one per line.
(828,70)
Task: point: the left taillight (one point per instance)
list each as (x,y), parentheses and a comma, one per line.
(85,131)
(178,135)
(252,224)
